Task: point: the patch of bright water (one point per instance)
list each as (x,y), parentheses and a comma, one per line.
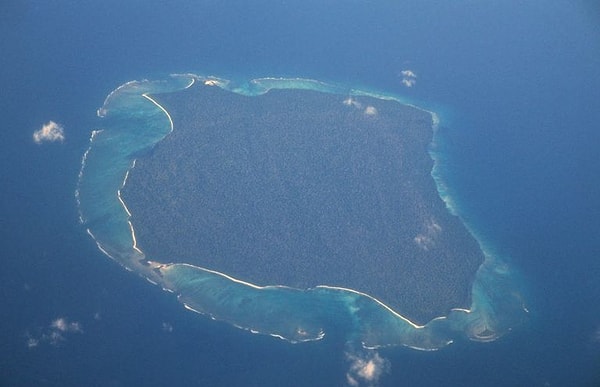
(132,122)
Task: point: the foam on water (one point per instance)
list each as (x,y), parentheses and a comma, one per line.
(132,122)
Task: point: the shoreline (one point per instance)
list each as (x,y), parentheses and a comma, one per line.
(435,121)
(422,319)
(148,97)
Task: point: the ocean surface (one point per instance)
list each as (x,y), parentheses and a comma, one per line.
(516,87)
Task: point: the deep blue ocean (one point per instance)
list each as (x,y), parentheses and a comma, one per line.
(517,85)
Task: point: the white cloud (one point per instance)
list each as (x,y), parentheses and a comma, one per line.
(49,132)
(55,333)
(409,78)
(64,325)
(352,102)
(365,370)
(32,343)
(426,239)
(167,327)
(408,82)
(370,111)
(408,74)
(423,241)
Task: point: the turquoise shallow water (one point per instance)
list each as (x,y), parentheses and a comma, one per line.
(132,122)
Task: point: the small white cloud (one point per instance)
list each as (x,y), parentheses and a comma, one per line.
(49,132)
(64,325)
(370,111)
(366,369)
(212,82)
(408,74)
(166,327)
(426,239)
(55,333)
(409,78)
(423,241)
(53,337)
(352,102)
(32,343)
(408,82)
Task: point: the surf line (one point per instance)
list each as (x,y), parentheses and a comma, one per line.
(147,96)
(135,247)
(380,303)
(127,209)
(80,175)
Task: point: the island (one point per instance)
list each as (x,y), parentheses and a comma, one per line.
(303,188)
